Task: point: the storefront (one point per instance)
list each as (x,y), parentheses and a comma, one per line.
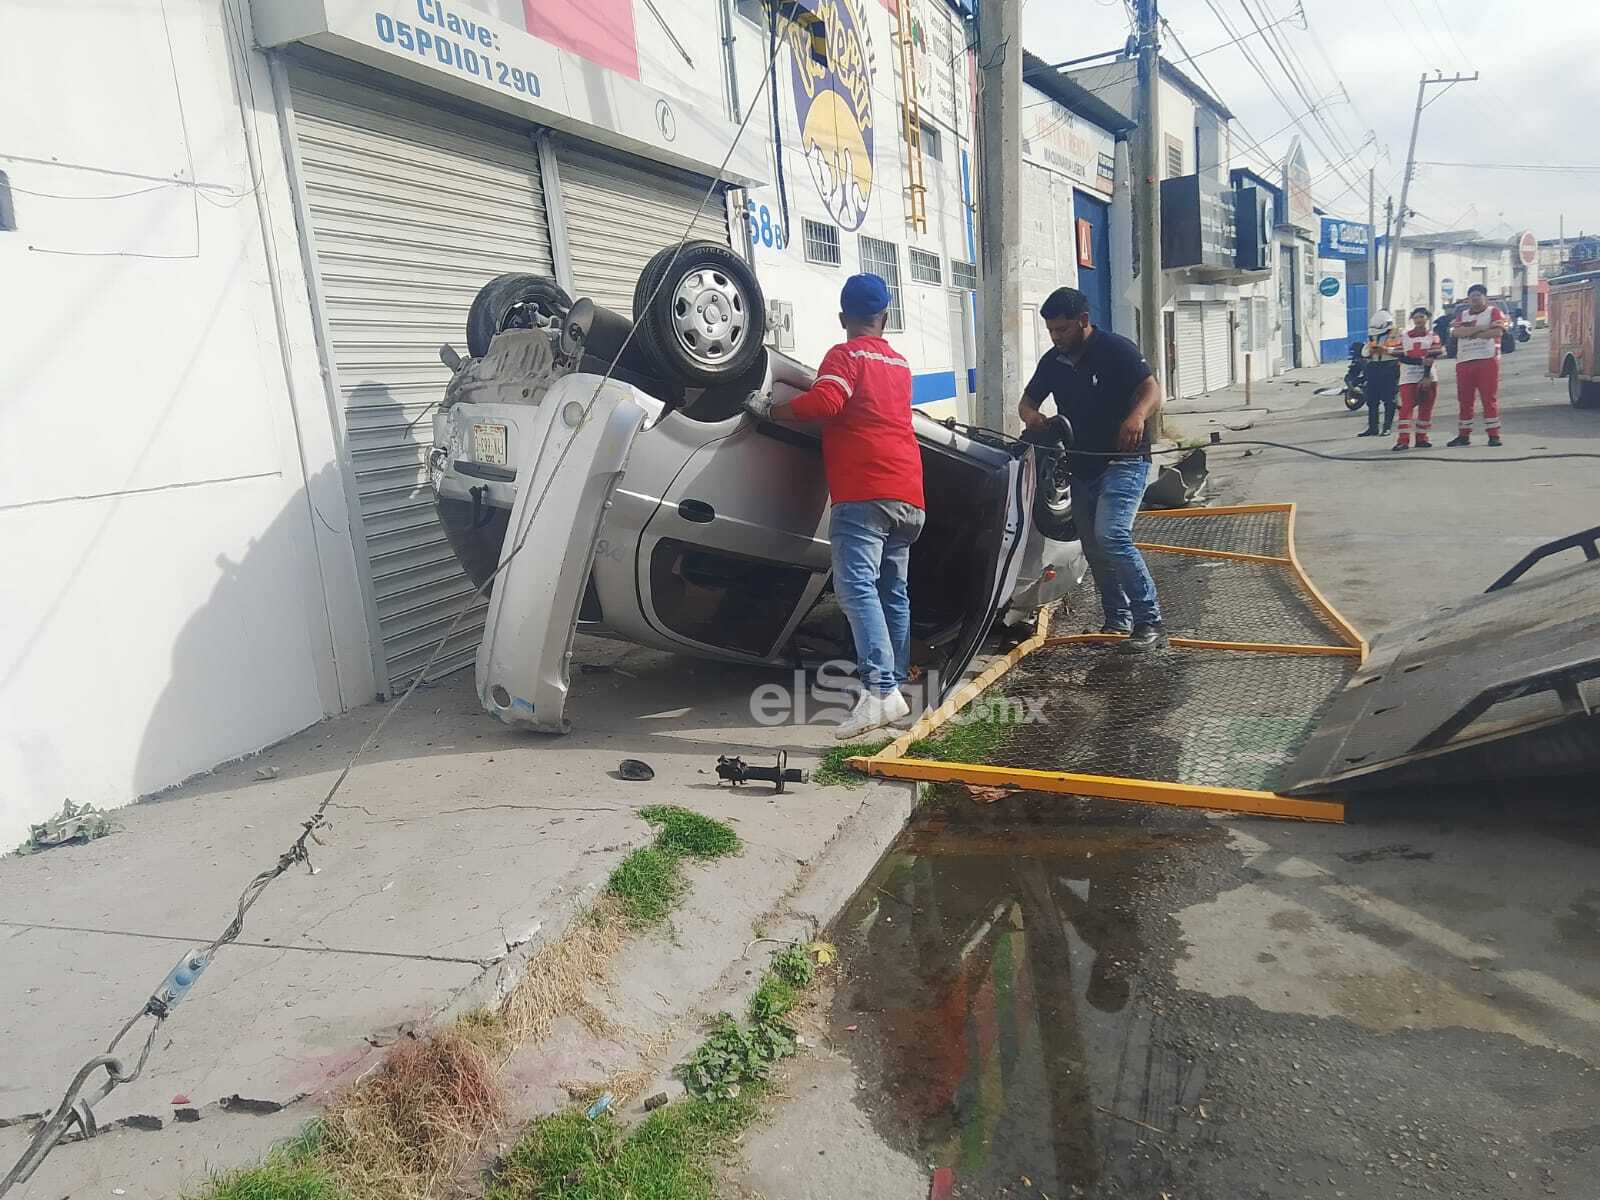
(424,165)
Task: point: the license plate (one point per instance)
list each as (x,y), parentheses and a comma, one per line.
(489,445)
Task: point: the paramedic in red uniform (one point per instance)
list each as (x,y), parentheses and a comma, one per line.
(1478,330)
(862,397)
(1416,349)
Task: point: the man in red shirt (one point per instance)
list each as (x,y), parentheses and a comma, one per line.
(1478,330)
(862,398)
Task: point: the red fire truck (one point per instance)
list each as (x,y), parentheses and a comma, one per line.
(1574,336)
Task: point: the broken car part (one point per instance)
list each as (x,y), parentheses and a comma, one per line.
(636,770)
(736,771)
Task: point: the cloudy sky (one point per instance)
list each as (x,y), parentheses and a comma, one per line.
(1534,105)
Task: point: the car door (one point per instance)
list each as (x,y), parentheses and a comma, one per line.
(737,550)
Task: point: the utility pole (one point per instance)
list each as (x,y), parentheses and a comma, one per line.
(1388,243)
(1372,241)
(1000,376)
(1149,201)
(1438,80)
(1561,263)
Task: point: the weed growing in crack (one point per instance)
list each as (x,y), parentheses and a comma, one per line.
(834,769)
(650,880)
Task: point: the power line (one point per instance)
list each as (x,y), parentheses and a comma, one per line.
(1487,166)
(1299,88)
(1265,78)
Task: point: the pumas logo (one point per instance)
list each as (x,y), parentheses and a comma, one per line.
(831,52)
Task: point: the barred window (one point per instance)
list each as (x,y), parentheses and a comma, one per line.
(822,243)
(926,267)
(883,260)
(963,274)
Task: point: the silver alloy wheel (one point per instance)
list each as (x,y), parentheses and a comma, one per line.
(710,316)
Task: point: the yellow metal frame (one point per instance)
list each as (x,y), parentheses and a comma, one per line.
(891,762)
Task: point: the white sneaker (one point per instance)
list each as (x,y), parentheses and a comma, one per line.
(872,712)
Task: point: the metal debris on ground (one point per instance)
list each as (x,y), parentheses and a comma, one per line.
(1256,657)
(736,771)
(77,823)
(1180,483)
(654,1102)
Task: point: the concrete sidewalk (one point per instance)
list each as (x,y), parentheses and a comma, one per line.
(457,847)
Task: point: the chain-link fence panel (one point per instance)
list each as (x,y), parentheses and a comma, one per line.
(1237,533)
(1214,718)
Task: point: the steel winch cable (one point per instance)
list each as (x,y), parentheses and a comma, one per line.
(73,1110)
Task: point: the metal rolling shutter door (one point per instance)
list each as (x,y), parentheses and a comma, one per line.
(619,214)
(412,210)
(1219,347)
(1191,350)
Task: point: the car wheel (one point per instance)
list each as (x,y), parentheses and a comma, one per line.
(516,300)
(701,313)
(1052,497)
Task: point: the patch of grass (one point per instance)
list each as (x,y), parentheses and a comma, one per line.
(649,881)
(669,1156)
(972,739)
(282,1175)
(773,999)
(646,884)
(794,966)
(833,771)
(690,834)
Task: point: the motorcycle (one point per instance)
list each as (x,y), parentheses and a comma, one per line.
(1522,328)
(1354,386)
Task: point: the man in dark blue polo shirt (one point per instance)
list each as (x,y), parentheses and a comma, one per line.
(1102,384)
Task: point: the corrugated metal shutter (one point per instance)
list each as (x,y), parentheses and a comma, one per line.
(1219,347)
(620,213)
(1191,350)
(412,210)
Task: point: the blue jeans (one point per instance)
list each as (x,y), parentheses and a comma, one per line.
(871,553)
(1105,508)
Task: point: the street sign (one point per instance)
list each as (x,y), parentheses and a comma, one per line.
(1528,248)
(1329,286)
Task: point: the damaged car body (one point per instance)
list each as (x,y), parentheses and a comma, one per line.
(604,474)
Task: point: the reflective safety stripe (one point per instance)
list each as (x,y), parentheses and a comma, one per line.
(891,359)
(845,384)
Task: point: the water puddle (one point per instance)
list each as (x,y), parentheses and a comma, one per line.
(992,977)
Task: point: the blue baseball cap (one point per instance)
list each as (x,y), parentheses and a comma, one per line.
(864,295)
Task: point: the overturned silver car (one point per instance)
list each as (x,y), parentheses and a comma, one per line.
(605,474)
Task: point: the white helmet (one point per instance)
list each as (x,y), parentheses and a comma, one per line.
(1382,322)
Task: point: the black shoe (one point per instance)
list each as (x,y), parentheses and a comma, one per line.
(1401,446)
(1494,441)
(1144,637)
(1368,433)
(1424,444)
(1461,440)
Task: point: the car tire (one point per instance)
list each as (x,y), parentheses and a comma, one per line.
(700,313)
(515,300)
(1052,497)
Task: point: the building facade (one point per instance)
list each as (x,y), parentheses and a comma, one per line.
(292,213)
(1205,278)
(1435,270)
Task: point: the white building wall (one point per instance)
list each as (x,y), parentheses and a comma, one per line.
(180,585)
(937,346)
